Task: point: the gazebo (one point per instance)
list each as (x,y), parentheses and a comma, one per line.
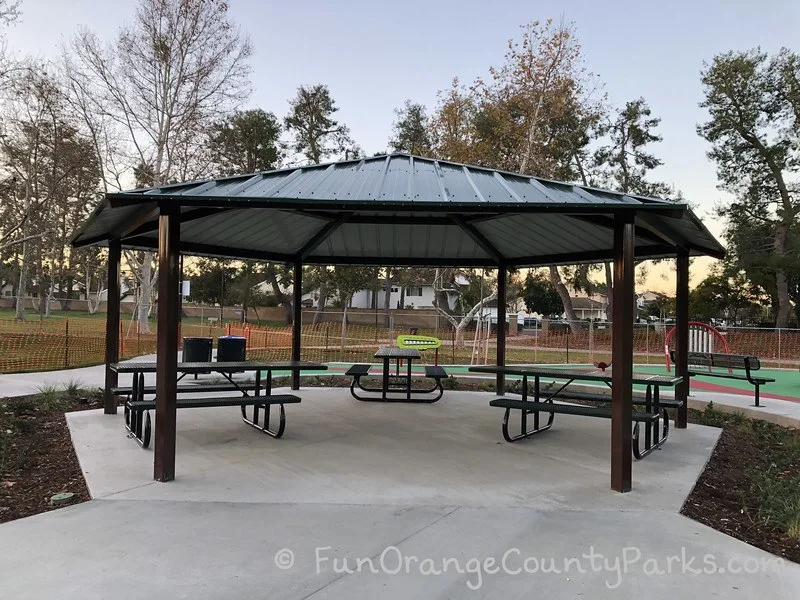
(396,210)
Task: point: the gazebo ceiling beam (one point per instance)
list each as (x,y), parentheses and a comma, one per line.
(478,238)
(569,258)
(184,217)
(199,249)
(608,223)
(149,211)
(401,261)
(323,234)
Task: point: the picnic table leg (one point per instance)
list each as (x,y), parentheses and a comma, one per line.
(386,368)
(268,392)
(256,393)
(408,382)
(650,430)
(657,410)
(523,420)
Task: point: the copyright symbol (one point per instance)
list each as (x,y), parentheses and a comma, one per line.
(284,559)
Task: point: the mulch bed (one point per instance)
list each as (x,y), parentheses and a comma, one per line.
(37,459)
(726,495)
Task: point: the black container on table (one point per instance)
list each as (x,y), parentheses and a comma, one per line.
(197,349)
(231,348)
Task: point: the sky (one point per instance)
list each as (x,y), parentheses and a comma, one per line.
(374,55)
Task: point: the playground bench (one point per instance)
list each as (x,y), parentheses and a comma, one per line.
(704,363)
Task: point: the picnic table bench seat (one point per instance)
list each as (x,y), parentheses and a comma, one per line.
(703,363)
(138,423)
(187,389)
(552,408)
(435,372)
(638,399)
(358,371)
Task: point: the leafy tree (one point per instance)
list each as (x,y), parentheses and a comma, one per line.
(540,297)
(213,282)
(754,127)
(725,293)
(624,162)
(317,135)
(51,183)
(346,281)
(246,142)
(411,131)
(452,126)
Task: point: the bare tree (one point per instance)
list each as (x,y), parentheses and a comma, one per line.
(178,67)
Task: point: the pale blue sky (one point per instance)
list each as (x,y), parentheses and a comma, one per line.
(374,55)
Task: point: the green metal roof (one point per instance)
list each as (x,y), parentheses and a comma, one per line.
(397,209)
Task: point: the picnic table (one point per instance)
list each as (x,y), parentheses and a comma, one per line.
(397,382)
(257,394)
(654,407)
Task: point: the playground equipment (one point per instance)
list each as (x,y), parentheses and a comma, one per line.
(420,342)
(702,338)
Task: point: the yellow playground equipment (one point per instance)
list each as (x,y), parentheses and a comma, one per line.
(420,342)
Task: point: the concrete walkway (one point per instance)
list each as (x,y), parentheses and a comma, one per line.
(363,500)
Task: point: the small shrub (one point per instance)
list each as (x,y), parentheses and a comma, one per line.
(51,397)
(73,389)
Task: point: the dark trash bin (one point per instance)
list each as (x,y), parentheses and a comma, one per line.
(231,348)
(197,349)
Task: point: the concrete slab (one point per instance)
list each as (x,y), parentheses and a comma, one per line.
(431,486)
(349,452)
(131,549)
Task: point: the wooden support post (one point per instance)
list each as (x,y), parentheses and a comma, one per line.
(297,319)
(622,354)
(112,324)
(501,327)
(682,336)
(167,342)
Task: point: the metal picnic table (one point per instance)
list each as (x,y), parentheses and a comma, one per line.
(652,402)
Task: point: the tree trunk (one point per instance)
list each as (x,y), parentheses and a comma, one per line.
(781,279)
(566,301)
(283,299)
(145,292)
(609,290)
(23,283)
(387,295)
(344,326)
(323,294)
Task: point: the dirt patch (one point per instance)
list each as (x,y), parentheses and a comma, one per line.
(37,459)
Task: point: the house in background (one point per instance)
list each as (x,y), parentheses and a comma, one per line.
(590,309)
(419,296)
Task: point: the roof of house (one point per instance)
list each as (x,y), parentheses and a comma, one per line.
(587,304)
